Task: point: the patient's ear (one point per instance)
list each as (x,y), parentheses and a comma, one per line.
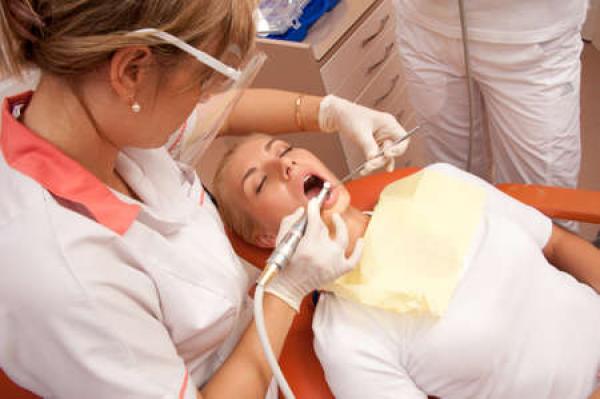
(264,240)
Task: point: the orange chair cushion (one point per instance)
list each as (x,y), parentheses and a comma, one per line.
(558,202)
(9,390)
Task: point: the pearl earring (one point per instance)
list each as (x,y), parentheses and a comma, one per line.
(136,107)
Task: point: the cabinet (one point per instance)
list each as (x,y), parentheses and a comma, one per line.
(351,52)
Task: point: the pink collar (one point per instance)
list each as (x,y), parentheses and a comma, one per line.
(35,157)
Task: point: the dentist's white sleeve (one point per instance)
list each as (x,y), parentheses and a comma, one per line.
(360,351)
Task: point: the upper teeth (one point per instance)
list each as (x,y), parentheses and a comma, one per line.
(307,177)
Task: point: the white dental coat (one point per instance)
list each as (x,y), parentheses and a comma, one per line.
(498,21)
(516,327)
(102,296)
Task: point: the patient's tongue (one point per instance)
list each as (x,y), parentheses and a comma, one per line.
(313,192)
(312,186)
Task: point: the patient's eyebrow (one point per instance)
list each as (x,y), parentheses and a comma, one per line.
(269,144)
(247,175)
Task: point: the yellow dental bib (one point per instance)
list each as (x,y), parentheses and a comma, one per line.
(415,245)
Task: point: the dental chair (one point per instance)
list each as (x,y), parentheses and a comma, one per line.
(298,360)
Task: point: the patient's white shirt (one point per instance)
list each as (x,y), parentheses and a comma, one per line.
(516,327)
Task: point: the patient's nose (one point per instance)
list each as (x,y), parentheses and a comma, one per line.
(287,166)
(282,167)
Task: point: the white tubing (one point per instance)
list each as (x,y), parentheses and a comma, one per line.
(467,58)
(259,319)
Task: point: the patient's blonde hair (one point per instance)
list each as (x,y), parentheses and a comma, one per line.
(234,217)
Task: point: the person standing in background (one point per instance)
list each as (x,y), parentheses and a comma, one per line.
(525,66)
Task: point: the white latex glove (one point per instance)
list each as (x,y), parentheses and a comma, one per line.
(368,128)
(318,259)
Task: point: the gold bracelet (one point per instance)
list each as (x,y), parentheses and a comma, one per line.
(299,121)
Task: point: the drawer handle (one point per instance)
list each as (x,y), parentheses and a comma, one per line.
(388,51)
(387,93)
(382,24)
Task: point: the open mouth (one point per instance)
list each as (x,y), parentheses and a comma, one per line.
(312,185)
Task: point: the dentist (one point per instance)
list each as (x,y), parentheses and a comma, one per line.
(117,277)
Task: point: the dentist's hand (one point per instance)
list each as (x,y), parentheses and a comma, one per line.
(368,128)
(318,260)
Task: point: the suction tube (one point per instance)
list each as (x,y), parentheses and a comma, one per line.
(467,61)
(278,260)
(263,336)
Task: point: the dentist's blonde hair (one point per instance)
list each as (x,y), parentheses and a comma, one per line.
(72,37)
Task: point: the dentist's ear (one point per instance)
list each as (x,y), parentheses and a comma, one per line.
(264,240)
(129,70)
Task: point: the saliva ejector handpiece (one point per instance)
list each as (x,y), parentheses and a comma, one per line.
(284,251)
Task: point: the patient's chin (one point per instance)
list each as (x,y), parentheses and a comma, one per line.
(342,203)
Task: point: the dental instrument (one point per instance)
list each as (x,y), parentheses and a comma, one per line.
(287,246)
(361,167)
(278,260)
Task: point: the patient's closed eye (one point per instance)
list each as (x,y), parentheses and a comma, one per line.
(284,152)
(264,178)
(261,184)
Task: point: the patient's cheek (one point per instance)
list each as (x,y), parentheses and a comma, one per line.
(340,207)
(342,203)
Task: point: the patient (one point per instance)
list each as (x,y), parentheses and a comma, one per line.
(515,325)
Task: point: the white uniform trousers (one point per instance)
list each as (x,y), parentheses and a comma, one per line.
(527,104)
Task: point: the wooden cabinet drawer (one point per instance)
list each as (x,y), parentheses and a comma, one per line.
(399,106)
(378,28)
(351,84)
(386,92)
(385,85)
(415,154)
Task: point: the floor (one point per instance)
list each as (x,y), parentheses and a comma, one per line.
(590,127)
